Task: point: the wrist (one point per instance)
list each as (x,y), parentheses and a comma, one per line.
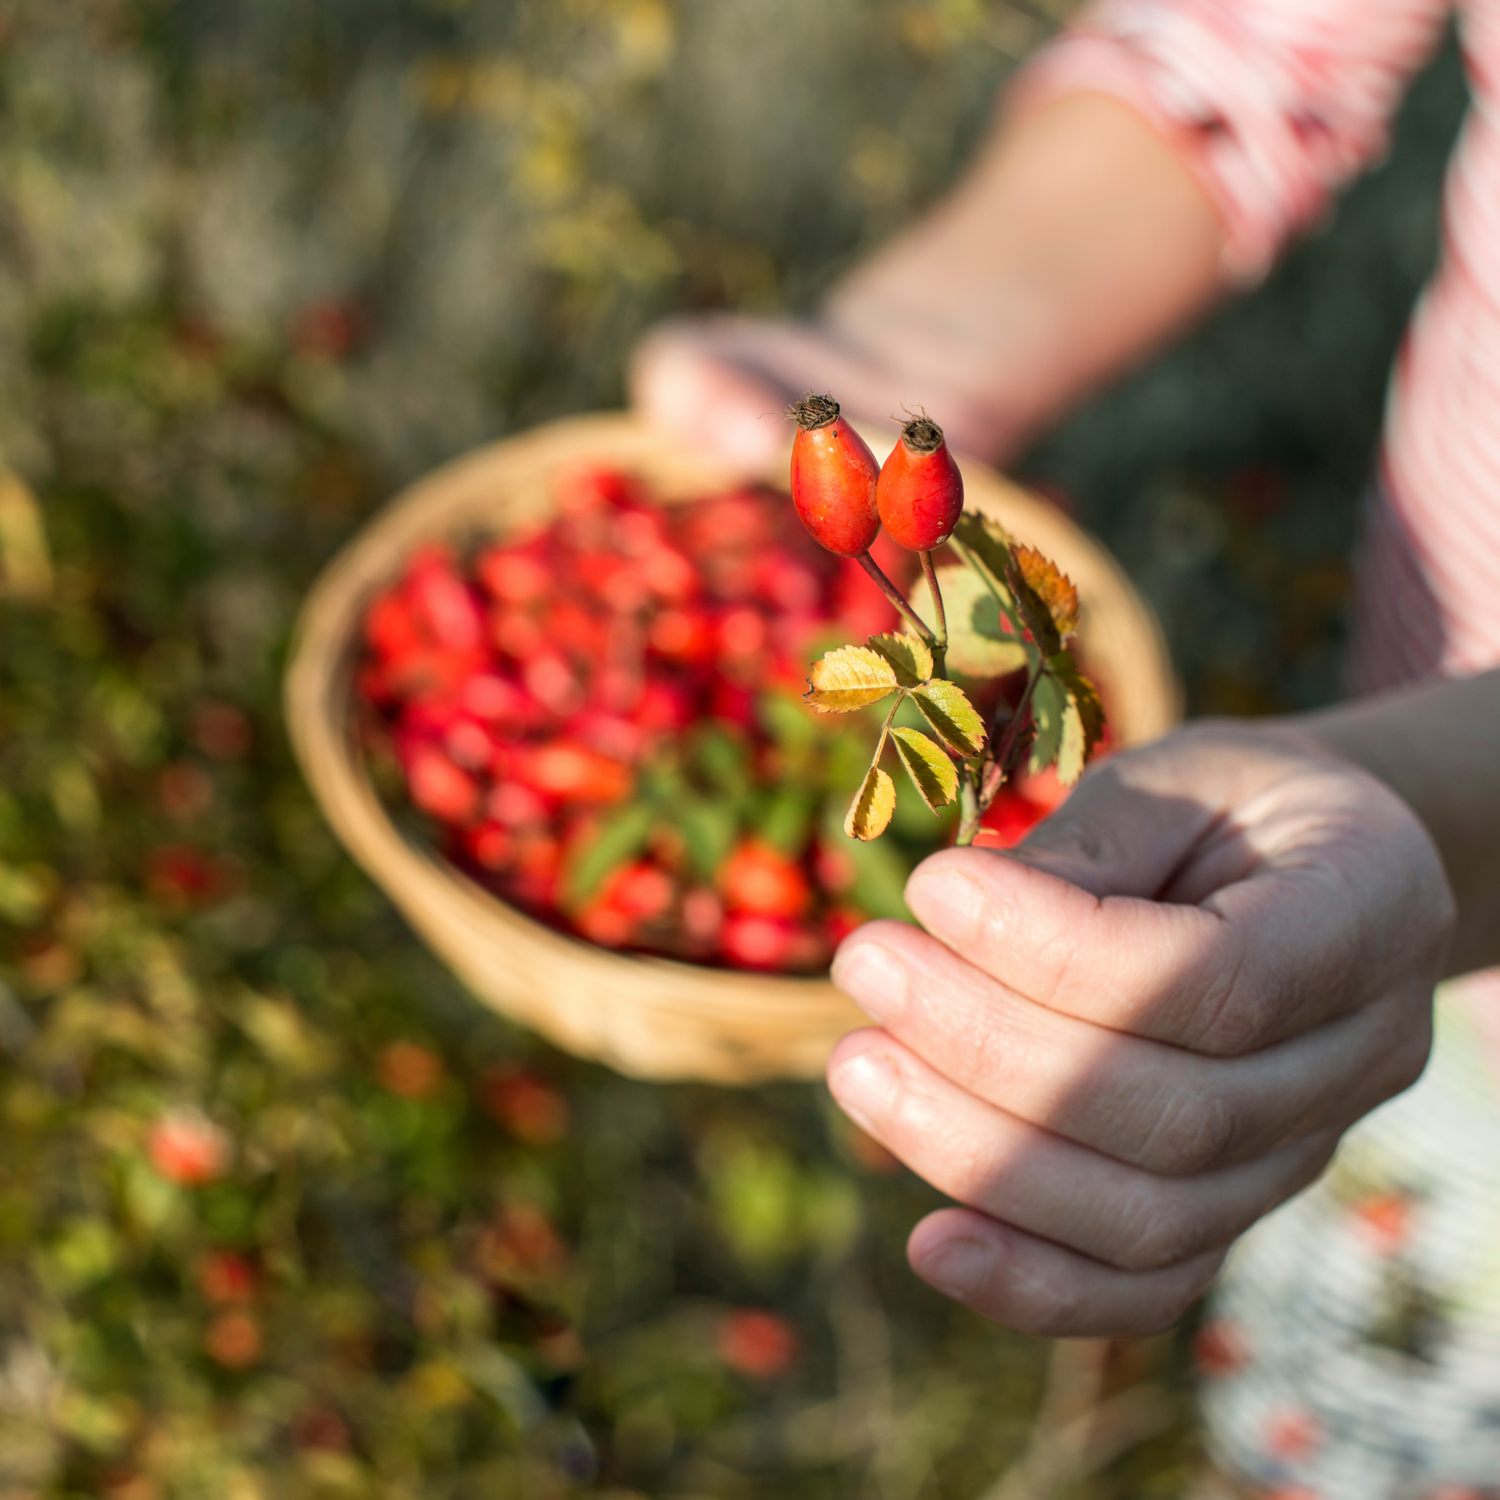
(1433,746)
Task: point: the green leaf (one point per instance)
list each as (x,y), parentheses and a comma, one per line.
(1044,597)
(872,806)
(931,771)
(987,542)
(979,645)
(946,707)
(620,839)
(849,678)
(708,828)
(1048,701)
(909,657)
(1083,717)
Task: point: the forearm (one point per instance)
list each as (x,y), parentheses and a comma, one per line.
(1437,746)
(1079,234)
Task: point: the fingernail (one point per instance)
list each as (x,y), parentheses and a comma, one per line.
(865,1086)
(948,901)
(957,1268)
(873,978)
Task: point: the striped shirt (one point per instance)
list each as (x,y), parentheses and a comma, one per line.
(1277,104)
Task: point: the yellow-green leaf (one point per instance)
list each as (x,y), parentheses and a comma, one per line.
(872,807)
(1082,718)
(849,678)
(908,656)
(931,772)
(946,707)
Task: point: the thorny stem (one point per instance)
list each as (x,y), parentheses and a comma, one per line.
(896,597)
(940,650)
(969,810)
(975,798)
(1005,757)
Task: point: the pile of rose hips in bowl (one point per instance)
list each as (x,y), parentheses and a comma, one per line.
(603,718)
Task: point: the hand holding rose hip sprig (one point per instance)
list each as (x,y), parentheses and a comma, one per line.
(1012,609)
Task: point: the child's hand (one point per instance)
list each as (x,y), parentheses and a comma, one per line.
(1123,1044)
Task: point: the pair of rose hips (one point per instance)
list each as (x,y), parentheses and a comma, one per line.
(844,496)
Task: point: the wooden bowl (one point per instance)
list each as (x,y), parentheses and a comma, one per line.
(649,1017)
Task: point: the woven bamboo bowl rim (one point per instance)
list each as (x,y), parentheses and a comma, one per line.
(649,1017)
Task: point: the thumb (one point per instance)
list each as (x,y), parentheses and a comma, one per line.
(1124,831)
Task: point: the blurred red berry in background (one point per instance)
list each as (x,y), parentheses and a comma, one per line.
(179,875)
(1009,819)
(520,1243)
(759,879)
(188,1149)
(184,791)
(234,1340)
(438,786)
(220,730)
(328,330)
(529,1107)
(756,1343)
(322,1429)
(410,1070)
(223,1276)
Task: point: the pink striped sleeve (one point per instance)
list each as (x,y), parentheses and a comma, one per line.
(1278,102)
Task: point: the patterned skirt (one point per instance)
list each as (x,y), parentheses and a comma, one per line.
(1352,1346)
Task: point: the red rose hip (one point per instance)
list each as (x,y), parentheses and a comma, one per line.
(920,494)
(833,478)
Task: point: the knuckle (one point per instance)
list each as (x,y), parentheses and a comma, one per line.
(985,1055)
(1192,1132)
(1237,1012)
(1047,1305)
(1154,1233)
(1058,956)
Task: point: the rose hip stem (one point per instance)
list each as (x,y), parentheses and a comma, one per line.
(896,597)
(940,650)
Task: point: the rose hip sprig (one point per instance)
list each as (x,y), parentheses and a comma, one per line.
(835,482)
(1014,609)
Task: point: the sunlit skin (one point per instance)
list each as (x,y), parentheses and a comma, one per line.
(1121,1044)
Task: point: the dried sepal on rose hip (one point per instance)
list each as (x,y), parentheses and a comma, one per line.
(920,492)
(833,478)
